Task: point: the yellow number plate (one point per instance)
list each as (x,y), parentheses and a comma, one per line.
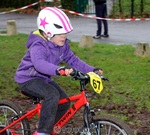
(96,82)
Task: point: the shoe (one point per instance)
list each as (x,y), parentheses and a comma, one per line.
(105,36)
(97,36)
(36,133)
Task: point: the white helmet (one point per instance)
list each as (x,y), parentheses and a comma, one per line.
(53,21)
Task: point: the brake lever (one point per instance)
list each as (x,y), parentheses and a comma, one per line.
(77,75)
(103,78)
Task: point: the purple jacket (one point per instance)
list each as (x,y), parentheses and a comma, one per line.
(43,58)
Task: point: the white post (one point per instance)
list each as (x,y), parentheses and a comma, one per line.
(86,41)
(142,49)
(11,27)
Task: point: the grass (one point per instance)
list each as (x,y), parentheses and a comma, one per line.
(128,74)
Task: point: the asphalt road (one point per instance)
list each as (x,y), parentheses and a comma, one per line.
(121,32)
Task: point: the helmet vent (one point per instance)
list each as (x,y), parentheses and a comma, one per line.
(58,26)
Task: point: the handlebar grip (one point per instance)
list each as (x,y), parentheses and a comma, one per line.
(62,72)
(74,72)
(104,78)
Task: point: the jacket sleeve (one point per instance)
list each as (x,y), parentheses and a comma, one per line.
(75,62)
(38,57)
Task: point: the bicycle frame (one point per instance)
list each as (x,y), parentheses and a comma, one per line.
(80,100)
(103,124)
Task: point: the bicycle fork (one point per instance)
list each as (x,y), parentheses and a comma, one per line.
(90,127)
(87,118)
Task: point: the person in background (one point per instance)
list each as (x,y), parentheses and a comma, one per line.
(101,11)
(47,48)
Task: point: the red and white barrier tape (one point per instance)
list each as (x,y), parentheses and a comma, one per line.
(109,19)
(76,13)
(30,5)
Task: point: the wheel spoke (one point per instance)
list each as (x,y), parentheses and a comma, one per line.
(10,112)
(5,116)
(108,125)
(109,130)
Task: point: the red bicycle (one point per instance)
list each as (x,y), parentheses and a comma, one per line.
(15,121)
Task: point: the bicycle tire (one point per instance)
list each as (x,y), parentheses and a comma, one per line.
(10,111)
(107,125)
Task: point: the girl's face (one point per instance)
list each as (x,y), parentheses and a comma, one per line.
(59,39)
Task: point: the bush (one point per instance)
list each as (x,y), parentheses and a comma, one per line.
(68,4)
(16,3)
(75,5)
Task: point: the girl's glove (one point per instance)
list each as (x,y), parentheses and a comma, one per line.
(64,71)
(98,71)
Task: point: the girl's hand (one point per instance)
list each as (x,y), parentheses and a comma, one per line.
(68,71)
(64,71)
(98,71)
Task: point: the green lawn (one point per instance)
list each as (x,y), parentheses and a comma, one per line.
(127,93)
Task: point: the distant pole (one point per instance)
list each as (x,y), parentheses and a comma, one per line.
(142,7)
(120,7)
(132,8)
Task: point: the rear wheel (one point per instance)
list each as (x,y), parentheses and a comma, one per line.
(9,112)
(107,125)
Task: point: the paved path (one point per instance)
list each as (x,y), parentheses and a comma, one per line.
(120,32)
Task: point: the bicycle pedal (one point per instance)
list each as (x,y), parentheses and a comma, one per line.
(97,110)
(15,118)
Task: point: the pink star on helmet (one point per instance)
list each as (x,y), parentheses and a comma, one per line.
(43,22)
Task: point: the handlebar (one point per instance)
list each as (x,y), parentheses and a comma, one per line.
(78,75)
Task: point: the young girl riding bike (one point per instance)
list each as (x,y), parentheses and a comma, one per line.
(47,48)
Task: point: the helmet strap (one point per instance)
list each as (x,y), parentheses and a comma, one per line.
(48,38)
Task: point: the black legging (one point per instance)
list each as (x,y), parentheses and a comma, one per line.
(51,112)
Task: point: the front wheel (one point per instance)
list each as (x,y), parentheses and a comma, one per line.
(9,112)
(107,125)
